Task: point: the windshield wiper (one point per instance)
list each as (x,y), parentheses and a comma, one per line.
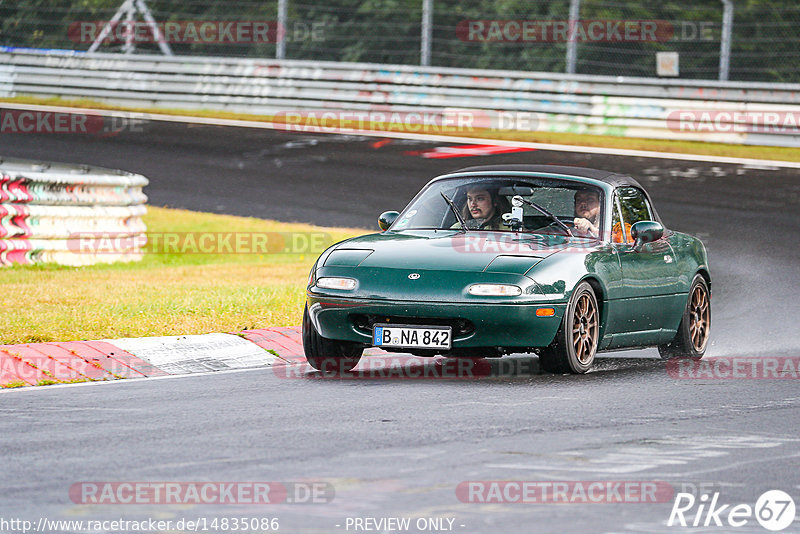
(544,212)
(455,211)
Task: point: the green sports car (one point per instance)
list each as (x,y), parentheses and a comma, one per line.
(486,261)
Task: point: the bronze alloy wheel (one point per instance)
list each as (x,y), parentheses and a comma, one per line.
(584,329)
(699,318)
(575,344)
(691,339)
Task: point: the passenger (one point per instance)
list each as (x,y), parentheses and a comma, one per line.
(485,208)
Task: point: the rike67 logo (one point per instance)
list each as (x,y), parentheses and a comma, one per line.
(774,510)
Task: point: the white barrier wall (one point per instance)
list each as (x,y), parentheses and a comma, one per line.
(70,215)
(732,112)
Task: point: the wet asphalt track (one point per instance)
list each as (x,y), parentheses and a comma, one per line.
(399,447)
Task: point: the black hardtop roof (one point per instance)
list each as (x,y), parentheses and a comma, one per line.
(611,178)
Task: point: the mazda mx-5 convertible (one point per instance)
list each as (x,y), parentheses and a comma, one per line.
(559,261)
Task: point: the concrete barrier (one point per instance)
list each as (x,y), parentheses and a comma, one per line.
(729,112)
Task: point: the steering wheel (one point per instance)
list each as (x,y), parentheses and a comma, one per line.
(569,223)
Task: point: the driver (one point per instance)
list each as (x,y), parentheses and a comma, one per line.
(485,208)
(587,208)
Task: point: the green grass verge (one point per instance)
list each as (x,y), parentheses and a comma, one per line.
(657,145)
(166,293)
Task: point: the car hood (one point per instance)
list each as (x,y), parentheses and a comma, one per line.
(444,250)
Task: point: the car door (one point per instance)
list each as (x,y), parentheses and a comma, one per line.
(650,275)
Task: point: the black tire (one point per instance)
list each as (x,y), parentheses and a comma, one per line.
(574,353)
(693,331)
(328,355)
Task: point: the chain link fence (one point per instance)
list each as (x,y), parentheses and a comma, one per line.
(610,37)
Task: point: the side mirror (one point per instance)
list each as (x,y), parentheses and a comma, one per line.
(386,219)
(646,232)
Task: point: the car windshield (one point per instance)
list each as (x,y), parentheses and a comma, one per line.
(482,201)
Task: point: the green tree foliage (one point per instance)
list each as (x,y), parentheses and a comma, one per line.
(765,46)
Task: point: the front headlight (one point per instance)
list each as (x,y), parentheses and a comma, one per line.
(494,290)
(330,282)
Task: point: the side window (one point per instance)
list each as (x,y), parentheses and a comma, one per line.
(634,205)
(618,231)
(634,208)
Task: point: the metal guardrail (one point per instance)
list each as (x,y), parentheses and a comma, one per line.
(735,112)
(54,213)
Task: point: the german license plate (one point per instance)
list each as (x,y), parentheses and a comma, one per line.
(412,337)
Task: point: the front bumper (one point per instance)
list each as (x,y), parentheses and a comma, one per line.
(512,325)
